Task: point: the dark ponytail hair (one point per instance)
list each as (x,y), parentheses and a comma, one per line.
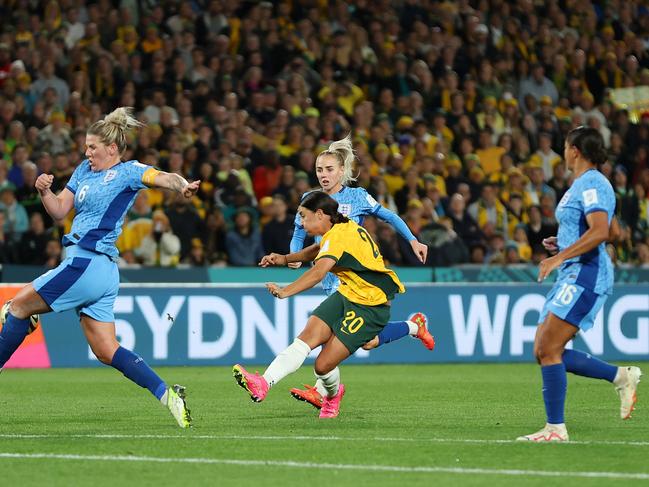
(319,200)
(589,142)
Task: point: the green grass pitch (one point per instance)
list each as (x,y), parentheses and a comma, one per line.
(410,424)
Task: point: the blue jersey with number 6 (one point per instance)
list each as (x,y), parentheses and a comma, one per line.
(88,278)
(101,200)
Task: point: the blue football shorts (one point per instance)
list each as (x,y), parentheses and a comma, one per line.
(85,281)
(573,303)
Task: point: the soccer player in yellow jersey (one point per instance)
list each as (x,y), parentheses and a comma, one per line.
(345,320)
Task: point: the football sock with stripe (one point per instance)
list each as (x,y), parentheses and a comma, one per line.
(136,369)
(287,362)
(584,364)
(394,330)
(12,335)
(330,381)
(554,391)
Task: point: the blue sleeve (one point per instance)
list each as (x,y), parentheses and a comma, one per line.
(73,183)
(396,221)
(364,202)
(135,174)
(299,234)
(598,195)
(297,241)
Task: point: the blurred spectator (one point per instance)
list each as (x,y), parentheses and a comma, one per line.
(379,190)
(19,156)
(412,189)
(276,235)
(512,255)
(27,194)
(16,221)
(62,171)
(52,253)
(197,255)
(387,242)
(185,223)
(48,79)
(536,229)
(537,186)
(7,254)
(545,156)
(34,241)
(160,247)
(54,138)
(559,182)
(626,207)
(522,244)
(537,85)
(214,239)
(445,246)
(496,249)
(489,209)
(243,242)
(478,253)
(463,224)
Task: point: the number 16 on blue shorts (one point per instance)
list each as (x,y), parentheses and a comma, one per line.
(573,303)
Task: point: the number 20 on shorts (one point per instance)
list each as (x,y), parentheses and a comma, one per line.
(352,323)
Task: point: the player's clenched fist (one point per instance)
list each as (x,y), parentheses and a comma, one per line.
(44,182)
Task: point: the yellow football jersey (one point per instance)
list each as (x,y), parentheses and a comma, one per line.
(364,279)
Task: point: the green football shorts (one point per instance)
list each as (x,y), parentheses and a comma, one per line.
(354,324)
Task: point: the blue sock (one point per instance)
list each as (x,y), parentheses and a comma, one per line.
(586,365)
(555,384)
(12,335)
(394,330)
(135,368)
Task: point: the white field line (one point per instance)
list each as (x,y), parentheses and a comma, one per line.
(19,436)
(326,466)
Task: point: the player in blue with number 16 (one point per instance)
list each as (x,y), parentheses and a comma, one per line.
(101,191)
(584,281)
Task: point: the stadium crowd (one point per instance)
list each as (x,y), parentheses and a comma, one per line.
(458,112)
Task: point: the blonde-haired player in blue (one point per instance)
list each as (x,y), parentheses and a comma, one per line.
(101,191)
(334,170)
(584,281)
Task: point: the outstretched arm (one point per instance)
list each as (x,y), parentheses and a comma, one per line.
(304,255)
(306,281)
(175,182)
(57,206)
(420,250)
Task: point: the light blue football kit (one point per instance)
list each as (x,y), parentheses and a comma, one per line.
(355,204)
(584,282)
(88,279)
